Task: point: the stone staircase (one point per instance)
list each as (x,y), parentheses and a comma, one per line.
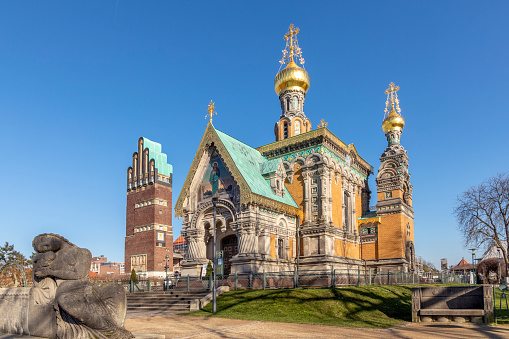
(173,301)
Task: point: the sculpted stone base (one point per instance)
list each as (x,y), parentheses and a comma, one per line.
(193,268)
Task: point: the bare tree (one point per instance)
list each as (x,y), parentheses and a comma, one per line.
(483,213)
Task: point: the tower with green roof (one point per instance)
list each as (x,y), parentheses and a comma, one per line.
(149,233)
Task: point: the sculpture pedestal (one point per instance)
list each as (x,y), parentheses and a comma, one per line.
(193,268)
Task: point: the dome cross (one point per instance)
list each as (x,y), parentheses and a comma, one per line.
(292,47)
(210,111)
(392,98)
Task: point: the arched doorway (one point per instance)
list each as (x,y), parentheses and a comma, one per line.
(229,246)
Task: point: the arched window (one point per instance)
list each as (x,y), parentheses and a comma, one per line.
(285,130)
(297,127)
(287,104)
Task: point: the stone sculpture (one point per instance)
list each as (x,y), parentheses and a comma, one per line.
(63,302)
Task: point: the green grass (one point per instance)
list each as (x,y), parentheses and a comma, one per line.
(362,307)
(501,313)
(365,306)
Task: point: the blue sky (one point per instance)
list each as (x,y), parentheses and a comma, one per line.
(81,81)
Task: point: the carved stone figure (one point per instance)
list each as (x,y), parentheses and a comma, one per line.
(63,302)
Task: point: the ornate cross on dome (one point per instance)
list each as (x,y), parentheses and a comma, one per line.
(392,97)
(210,111)
(292,46)
(322,124)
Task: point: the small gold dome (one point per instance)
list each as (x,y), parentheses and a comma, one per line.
(292,77)
(393,122)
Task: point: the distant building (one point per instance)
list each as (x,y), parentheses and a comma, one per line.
(495,252)
(443,265)
(101,266)
(149,233)
(462,268)
(180,246)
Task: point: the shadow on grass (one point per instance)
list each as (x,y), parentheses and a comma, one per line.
(369,306)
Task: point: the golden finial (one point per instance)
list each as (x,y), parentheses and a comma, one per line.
(392,97)
(322,124)
(210,111)
(292,47)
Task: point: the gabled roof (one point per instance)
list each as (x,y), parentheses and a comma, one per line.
(249,162)
(463,265)
(180,241)
(245,164)
(160,159)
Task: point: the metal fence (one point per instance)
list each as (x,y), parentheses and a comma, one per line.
(299,278)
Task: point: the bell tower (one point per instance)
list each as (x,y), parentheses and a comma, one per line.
(291,85)
(394,207)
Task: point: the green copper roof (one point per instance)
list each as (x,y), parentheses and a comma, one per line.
(160,158)
(249,162)
(270,166)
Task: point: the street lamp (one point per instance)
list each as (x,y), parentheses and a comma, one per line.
(473,264)
(214,305)
(499,254)
(166,270)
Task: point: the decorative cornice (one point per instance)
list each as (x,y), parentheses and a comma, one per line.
(313,138)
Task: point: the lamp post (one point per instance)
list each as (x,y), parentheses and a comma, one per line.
(166,270)
(473,264)
(214,305)
(499,254)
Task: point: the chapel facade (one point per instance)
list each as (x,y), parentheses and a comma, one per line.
(301,202)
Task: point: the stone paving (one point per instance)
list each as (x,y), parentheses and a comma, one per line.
(179,326)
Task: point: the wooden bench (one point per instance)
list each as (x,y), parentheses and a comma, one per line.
(456,303)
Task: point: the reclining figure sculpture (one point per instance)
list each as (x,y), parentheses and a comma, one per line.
(63,302)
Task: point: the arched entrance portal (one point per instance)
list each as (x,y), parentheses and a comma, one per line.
(230,247)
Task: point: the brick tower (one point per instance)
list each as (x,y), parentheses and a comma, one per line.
(149,234)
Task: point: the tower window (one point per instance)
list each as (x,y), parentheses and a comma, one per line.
(295,103)
(287,104)
(285,130)
(297,127)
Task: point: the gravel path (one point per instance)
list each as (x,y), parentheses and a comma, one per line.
(179,326)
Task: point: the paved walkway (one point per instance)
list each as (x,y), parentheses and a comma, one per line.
(179,326)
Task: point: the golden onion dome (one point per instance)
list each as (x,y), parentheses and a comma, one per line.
(292,77)
(393,122)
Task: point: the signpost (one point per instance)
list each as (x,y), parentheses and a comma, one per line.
(220,263)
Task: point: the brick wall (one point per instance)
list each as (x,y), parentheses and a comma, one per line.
(144,242)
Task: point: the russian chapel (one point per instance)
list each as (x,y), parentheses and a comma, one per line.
(301,201)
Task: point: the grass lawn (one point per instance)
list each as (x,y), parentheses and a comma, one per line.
(501,313)
(364,306)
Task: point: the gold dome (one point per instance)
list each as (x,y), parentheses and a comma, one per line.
(292,77)
(393,122)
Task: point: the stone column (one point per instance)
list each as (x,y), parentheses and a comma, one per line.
(343,205)
(247,242)
(307,194)
(323,193)
(196,241)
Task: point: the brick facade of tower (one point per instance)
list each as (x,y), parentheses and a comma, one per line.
(149,234)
